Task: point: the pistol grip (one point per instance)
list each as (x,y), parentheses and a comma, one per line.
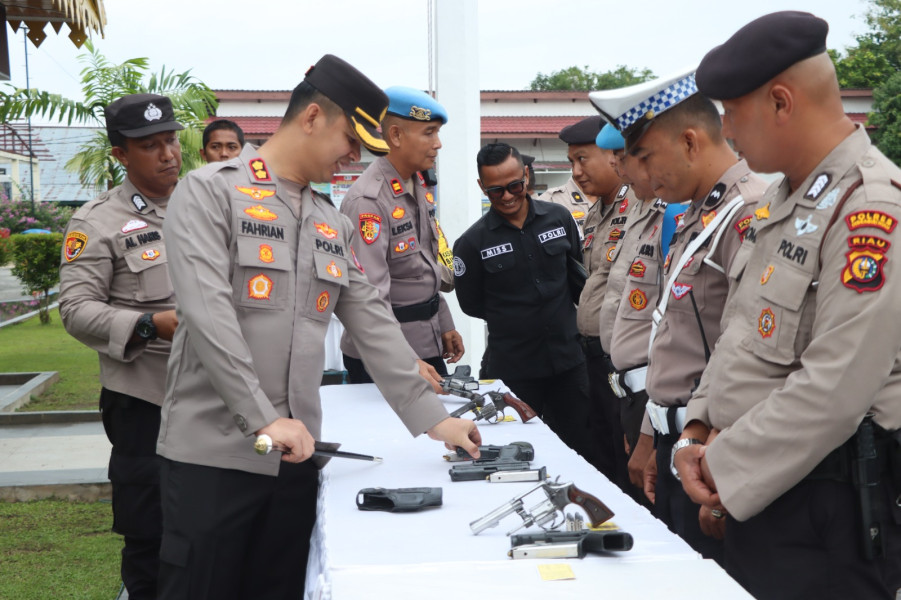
(597,511)
(526,413)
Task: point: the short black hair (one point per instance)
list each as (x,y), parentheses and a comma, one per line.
(305,94)
(494,154)
(222,124)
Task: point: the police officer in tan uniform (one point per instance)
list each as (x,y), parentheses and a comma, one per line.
(635,279)
(116,297)
(593,169)
(793,428)
(399,242)
(685,155)
(261,263)
(571,196)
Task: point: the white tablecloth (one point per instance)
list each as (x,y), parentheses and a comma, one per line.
(358,554)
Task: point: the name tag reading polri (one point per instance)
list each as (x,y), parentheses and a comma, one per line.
(495,250)
(551,235)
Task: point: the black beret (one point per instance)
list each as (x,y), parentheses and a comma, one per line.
(759,51)
(583,132)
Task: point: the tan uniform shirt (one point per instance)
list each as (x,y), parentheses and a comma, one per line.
(602,229)
(397,243)
(570,197)
(677,356)
(633,285)
(260,265)
(812,344)
(114,268)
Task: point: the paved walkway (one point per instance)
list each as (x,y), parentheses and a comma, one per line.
(38,460)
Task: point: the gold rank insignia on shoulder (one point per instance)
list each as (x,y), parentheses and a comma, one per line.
(258,168)
(255,192)
(420,114)
(396,187)
(76,242)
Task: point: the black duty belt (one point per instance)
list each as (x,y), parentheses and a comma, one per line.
(417,312)
(591,346)
(838,464)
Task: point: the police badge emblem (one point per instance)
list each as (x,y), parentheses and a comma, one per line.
(370,227)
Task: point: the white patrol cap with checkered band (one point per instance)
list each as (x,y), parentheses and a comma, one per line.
(630,109)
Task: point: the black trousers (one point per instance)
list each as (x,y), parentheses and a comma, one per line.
(608,430)
(806,545)
(356,370)
(673,506)
(562,402)
(132,426)
(230,534)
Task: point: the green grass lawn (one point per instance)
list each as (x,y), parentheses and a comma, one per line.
(30,346)
(58,549)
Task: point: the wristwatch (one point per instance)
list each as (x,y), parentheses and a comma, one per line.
(683,443)
(145,328)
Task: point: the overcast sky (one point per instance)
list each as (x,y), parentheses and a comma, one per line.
(268,44)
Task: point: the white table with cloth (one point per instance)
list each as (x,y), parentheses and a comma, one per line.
(433,553)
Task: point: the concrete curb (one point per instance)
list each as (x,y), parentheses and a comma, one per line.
(50,417)
(30,384)
(81,492)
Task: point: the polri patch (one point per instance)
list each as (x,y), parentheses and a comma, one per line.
(325,230)
(322,301)
(766,323)
(763,212)
(819,184)
(624,204)
(588,239)
(552,234)
(430,197)
(766,274)
(611,251)
(706,219)
(496,250)
(151,254)
(871,218)
(405,246)
(255,192)
(741,226)
(370,227)
(133,225)
(638,299)
(396,188)
(615,234)
(76,242)
(259,287)
(260,213)
(864,269)
(259,170)
(398,212)
(266,255)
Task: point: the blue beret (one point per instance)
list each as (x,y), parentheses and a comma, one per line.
(413,104)
(631,109)
(582,132)
(610,138)
(759,51)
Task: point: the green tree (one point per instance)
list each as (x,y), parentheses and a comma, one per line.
(582,79)
(36,265)
(886,117)
(102,82)
(877,54)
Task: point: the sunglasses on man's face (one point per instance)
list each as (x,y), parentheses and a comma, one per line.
(514,187)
